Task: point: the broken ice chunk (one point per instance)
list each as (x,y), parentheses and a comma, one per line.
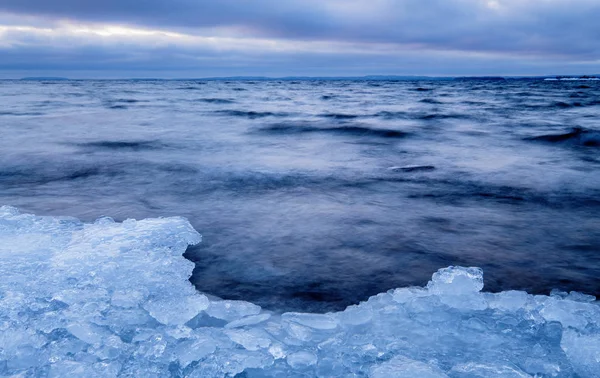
(456,281)
(402,367)
(315,321)
(301,359)
(232,310)
(176,311)
(252,340)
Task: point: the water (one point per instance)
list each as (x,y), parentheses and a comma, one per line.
(313,195)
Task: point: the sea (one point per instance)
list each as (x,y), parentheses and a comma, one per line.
(312,195)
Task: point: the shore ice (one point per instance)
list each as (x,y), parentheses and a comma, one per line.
(113,299)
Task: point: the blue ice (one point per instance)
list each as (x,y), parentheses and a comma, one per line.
(113,299)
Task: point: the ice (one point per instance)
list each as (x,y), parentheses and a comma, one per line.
(315,321)
(252,339)
(402,367)
(248,321)
(113,300)
(456,281)
(472,370)
(176,310)
(302,359)
(232,310)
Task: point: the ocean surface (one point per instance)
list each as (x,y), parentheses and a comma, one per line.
(314,195)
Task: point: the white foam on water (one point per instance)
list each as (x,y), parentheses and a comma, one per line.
(113,300)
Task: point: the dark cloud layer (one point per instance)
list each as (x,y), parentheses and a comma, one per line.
(558,27)
(260,16)
(545,33)
(113,62)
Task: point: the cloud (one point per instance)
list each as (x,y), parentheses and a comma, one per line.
(552,26)
(380,35)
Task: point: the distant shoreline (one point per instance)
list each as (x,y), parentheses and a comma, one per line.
(334,78)
(43,78)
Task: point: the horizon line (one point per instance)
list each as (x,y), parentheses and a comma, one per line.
(292,77)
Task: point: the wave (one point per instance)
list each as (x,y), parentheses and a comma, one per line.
(577,136)
(436,116)
(122,145)
(476,103)
(250,114)
(216,100)
(114,299)
(573,79)
(347,130)
(419,115)
(340,116)
(117,107)
(129,100)
(21,114)
(459,192)
(122,103)
(413,168)
(20,177)
(430,101)
(561,104)
(393,115)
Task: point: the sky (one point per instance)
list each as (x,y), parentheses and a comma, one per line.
(202,38)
